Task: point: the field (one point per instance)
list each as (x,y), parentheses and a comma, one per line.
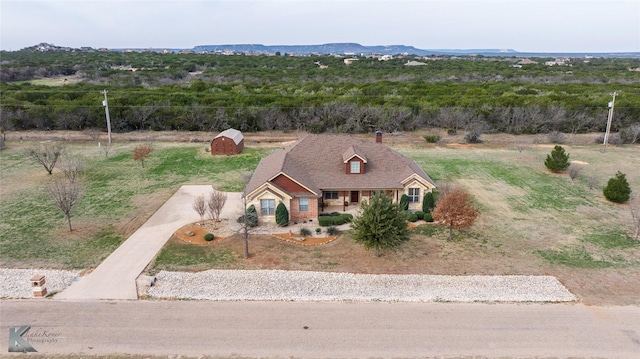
(532,222)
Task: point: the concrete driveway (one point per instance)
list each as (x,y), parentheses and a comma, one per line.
(115,278)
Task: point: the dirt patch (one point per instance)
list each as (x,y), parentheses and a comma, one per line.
(194,232)
(304,240)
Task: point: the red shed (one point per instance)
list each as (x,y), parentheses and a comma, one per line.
(228,142)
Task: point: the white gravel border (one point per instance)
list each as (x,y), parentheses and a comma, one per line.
(16,283)
(279,285)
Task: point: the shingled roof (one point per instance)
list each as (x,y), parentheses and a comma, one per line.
(317,163)
(233,134)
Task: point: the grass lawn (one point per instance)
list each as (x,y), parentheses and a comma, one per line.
(532,221)
(119,195)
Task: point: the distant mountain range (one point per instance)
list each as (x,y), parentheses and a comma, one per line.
(344,49)
(341,49)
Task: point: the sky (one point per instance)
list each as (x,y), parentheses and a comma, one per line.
(522,25)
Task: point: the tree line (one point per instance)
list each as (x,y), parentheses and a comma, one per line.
(255,93)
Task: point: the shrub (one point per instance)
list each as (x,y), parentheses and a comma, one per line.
(333,231)
(472,137)
(318,230)
(305,232)
(614,139)
(348,217)
(557,137)
(325,221)
(452,132)
(420,214)
(252,216)
(557,160)
(432,138)
(428,217)
(412,217)
(428,202)
(208,237)
(617,189)
(404,202)
(334,214)
(282,215)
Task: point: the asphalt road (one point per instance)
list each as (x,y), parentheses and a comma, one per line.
(335,330)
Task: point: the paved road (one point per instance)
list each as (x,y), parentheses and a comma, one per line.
(354,330)
(115,278)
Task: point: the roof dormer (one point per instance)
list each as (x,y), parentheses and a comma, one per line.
(354,160)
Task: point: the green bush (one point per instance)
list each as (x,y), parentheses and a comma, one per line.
(428,217)
(333,231)
(420,214)
(325,221)
(412,217)
(336,220)
(208,237)
(318,230)
(305,232)
(617,189)
(252,217)
(428,202)
(404,202)
(452,132)
(282,215)
(432,138)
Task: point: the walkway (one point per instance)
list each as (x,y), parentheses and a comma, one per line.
(115,278)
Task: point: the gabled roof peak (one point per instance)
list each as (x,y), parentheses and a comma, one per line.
(352,152)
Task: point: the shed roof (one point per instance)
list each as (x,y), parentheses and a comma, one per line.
(233,134)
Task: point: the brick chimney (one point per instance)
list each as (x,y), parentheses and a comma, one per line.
(378,136)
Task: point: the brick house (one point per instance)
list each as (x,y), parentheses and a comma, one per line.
(332,173)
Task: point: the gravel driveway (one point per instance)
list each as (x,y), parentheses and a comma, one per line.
(278,285)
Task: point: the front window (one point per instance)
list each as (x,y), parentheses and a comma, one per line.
(304,205)
(267,207)
(331,195)
(414,194)
(355,166)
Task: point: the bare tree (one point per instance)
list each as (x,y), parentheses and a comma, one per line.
(592,182)
(65,194)
(106,147)
(248,220)
(71,167)
(634,206)
(215,203)
(521,146)
(574,170)
(200,206)
(46,154)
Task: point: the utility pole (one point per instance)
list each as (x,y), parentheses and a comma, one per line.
(106,111)
(609,119)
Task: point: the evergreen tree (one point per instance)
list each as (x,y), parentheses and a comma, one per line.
(428,202)
(404,202)
(617,189)
(282,215)
(557,160)
(381,225)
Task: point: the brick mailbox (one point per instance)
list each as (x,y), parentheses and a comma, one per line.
(38,286)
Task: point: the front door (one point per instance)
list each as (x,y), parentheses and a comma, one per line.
(355,196)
